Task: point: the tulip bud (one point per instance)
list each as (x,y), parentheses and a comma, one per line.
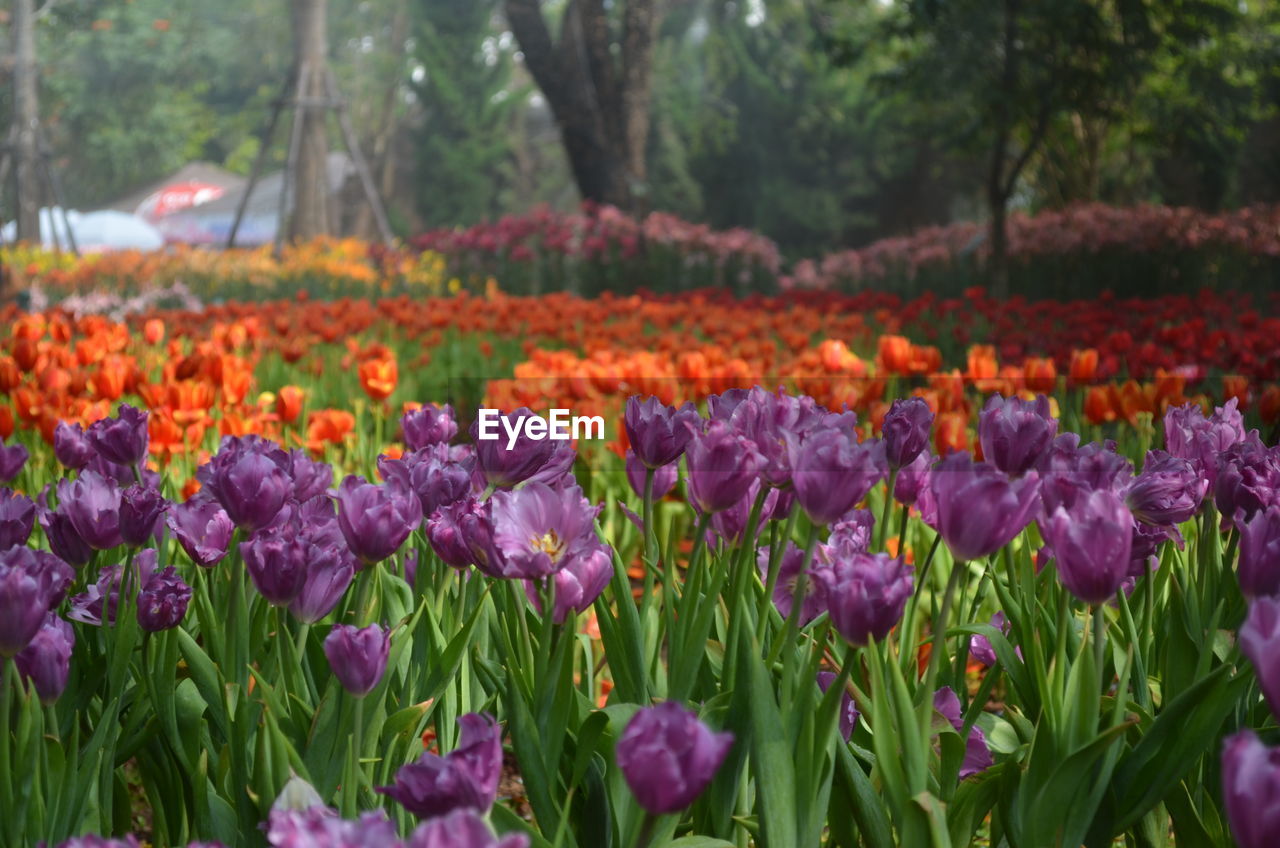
(123,439)
(46,661)
(17,517)
(906,430)
(163,601)
(358,656)
(1259,566)
(1014,433)
(668,757)
(1251,790)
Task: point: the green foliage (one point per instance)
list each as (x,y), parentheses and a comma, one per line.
(469,100)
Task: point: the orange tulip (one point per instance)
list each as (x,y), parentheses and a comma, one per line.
(6,422)
(1236,386)
(1084,367)
(1099,406)
(982,364)
(1039,374)
(1269,404)
(951,433)
(378,377)
(10,374)
(153,331)
(895,354)
(289,403)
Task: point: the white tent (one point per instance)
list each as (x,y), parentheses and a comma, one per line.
(95,232)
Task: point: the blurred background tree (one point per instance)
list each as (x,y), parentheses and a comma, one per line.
(822,123)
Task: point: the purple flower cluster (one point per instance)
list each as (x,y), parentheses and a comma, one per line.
(464,779)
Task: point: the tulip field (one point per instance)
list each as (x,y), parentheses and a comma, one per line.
(849,567)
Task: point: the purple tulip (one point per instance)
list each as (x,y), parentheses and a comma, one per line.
(1189,435)
(163,601)
(71,447)
(375,520)
(866,594)
(668,756)
(721,407)
(311,478)
(722,465)
(977,758)
(432,474)
(140,511)
(445,532)
(1015,433)
(358,656)
(772,421)
(276,560)
(464,779)
(428,425)
(92,503)
(123,439)
(250,477)
(1092,543)
(503,467)
(1168,491)
(320,827)
(906,430)
(203,529)
(1147,539)
(538,530)
(1251,789)
(578,584)
(1248,480)
(126,841)
(832,471)
(664,477)
(101,600)
(46,661)
(1259,565)
(730,524)
(848,709)
(330,570)
(462,829)
(17,518)
(12,458)
(851,534)
(1260,642)
(790,567)
(913,478)
(63,538)
(979,510)
(1069,470)
(27,590)
(980,647)
(658,433)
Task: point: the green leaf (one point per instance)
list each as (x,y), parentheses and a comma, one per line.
(771,761)
(937,815)
(699,842)
(1183,731)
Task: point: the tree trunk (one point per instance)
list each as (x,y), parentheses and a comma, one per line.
(999,187)
(382,156)
(311,172)
(601,103)
(26,119)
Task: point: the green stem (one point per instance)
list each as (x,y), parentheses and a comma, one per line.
(1099,642)
(776,555)
(797,599)
(939,643)
(6,698)
(647,827)
(650,537)
(882,527)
